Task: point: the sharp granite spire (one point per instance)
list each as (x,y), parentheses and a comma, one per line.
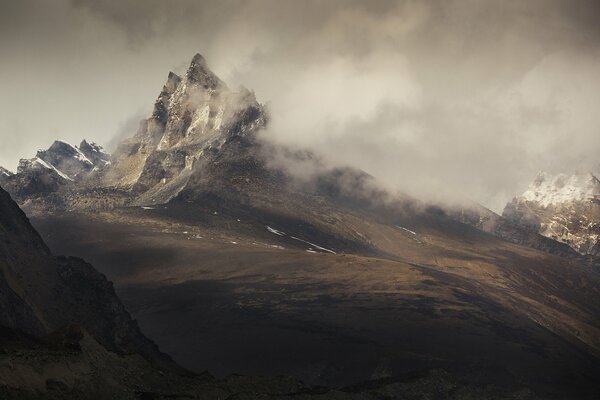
(198,73)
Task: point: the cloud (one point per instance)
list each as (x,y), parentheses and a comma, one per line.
(457,98)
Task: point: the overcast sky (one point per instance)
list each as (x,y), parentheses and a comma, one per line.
(431,97)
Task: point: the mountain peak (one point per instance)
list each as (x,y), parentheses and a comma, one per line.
(549,189)
(198,59)
(562,207)
(94,152)
(173,81)
(198,73)
(51,169)
(190,125)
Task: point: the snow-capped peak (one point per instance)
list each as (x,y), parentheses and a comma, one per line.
(549,189)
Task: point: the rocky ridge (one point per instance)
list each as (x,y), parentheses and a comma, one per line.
(4,173)
(61,166)
(194,117)
(561,207)
(42,292)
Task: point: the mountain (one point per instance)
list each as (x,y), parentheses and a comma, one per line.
(194,119)
(511,231)
(200,144)
(233,264)
(59,167)
(562,207)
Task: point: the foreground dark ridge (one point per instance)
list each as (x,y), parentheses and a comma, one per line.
(42,292)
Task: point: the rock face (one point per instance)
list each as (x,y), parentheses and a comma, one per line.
(564,208)
(61,165)
(194,117)
(4,173)
(94,153)
(41,292)
(69,161)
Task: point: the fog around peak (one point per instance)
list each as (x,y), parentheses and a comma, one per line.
(441,99)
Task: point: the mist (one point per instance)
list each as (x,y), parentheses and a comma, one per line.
(439,99)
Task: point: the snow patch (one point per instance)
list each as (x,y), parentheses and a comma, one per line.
(314,245)
(52,167)
(406,230)
(79,155)
(280,233)
(275,231)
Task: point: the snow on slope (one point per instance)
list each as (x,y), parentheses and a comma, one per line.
(562,207)
(79,155)
(52,167)
(547,189)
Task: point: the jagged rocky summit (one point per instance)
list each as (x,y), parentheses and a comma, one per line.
(61,165)
(194,119)
(563,207)
(199,138)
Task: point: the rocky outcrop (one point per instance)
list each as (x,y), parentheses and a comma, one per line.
(563,208)
(61,166)
(503,228)
(194,117)
(4,173)
(94,153)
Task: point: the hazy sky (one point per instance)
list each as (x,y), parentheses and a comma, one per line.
(431,97)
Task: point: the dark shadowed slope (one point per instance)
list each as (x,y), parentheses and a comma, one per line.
(232,289)
(43,292)
(70,363)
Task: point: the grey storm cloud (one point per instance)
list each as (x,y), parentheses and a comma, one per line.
(443,99)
